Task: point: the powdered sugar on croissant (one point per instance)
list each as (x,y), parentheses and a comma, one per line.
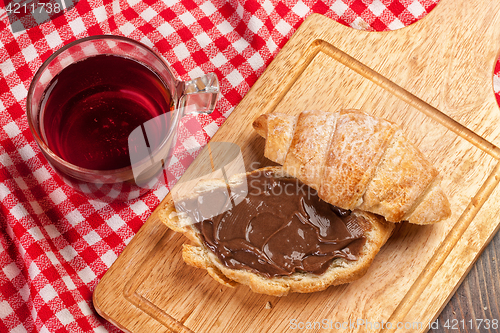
(356,161)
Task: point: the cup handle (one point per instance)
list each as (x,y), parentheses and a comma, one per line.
(199,95)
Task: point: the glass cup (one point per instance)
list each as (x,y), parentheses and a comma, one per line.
(150,144)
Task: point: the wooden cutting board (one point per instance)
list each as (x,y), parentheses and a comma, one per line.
(434,78)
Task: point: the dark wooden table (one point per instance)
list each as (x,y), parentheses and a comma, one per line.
(475,307)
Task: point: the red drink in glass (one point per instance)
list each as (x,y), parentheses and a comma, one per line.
(90,108)
(104,111)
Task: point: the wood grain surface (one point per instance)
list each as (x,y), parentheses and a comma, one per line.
(476,303)
(434,79)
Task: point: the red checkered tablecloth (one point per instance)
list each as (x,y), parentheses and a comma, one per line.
(55,244)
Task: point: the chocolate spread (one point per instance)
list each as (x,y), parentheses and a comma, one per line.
(274,227)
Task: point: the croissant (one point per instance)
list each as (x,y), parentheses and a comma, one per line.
(338,270)
(356,161)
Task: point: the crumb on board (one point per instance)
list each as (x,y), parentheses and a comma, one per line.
(268,305)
